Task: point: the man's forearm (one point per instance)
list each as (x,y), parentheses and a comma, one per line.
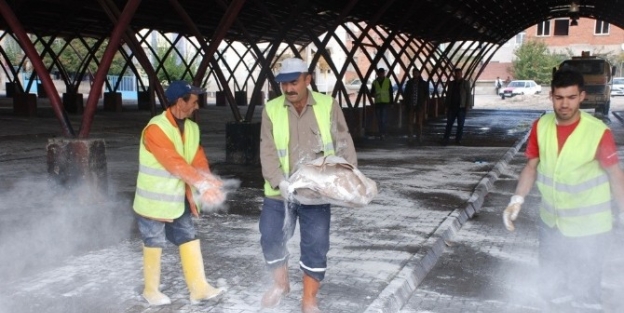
(527,178)
(616,180)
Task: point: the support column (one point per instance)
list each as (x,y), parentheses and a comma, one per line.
(113,101)
(354,118)
(80,163)
(73,102)
(242,143)
(25,104)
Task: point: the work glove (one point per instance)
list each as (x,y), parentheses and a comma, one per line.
(511,212)
(283,188)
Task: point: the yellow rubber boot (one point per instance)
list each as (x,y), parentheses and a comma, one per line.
(280,287)
(151,275)
(310,288)
(193,268)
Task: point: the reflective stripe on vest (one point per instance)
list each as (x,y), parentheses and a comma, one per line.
(159,194)
(381,92)
(576,195)
(278,114)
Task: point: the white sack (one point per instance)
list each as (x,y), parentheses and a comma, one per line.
(333,180)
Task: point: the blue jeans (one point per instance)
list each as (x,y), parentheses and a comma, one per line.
(451,115)
(156,233)
(571,267)
(381,111)
(277,226)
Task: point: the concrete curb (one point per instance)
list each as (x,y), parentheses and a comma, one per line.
(618,116)
(400,288)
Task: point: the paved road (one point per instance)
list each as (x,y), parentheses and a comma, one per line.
(61,254)
(487,269)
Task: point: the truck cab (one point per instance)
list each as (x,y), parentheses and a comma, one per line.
(597,74)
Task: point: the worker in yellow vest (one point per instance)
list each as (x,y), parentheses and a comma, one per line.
(298,126)
(573,159)
(382,93)
(172,169)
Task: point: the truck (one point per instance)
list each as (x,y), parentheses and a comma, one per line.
(597,74)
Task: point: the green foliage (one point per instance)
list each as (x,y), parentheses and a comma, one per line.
(71,57)
(170,66)
(534,61)
(13,50)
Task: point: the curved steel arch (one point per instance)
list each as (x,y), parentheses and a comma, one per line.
(411,32)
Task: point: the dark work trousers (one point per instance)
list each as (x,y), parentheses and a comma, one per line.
(277,226)
(451,115)
(570,268)
(381,111)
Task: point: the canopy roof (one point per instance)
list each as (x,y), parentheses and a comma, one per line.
(492,21)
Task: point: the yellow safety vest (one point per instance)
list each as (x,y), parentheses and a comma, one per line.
(381,92)
(278,114)
(576,195)
(159,194)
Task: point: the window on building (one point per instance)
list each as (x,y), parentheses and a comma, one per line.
(520,38)
(602,28)
(561,27)
(543,28)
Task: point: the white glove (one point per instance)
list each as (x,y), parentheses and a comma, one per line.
(283,187)
(511,212)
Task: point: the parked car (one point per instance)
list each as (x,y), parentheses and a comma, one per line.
(520,87)
(356,84)
(618,86)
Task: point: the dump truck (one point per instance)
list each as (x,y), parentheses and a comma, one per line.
(597,74)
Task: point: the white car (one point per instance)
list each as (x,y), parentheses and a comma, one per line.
(618,86)
(356,84)
(520,87)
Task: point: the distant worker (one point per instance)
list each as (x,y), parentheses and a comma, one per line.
(297,127)
(498,84)
(382,93)
(416,96)
(573,159)
(172,167)
(458,101)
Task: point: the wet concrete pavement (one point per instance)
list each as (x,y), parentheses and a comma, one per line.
(487,269)
(60,254)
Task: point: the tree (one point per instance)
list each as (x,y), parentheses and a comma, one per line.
(173,66)
(72,57)
(534,61)
(13,51)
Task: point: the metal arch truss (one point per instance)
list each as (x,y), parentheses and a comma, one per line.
(349,49)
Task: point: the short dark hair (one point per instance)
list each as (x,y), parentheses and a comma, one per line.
(567,76)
